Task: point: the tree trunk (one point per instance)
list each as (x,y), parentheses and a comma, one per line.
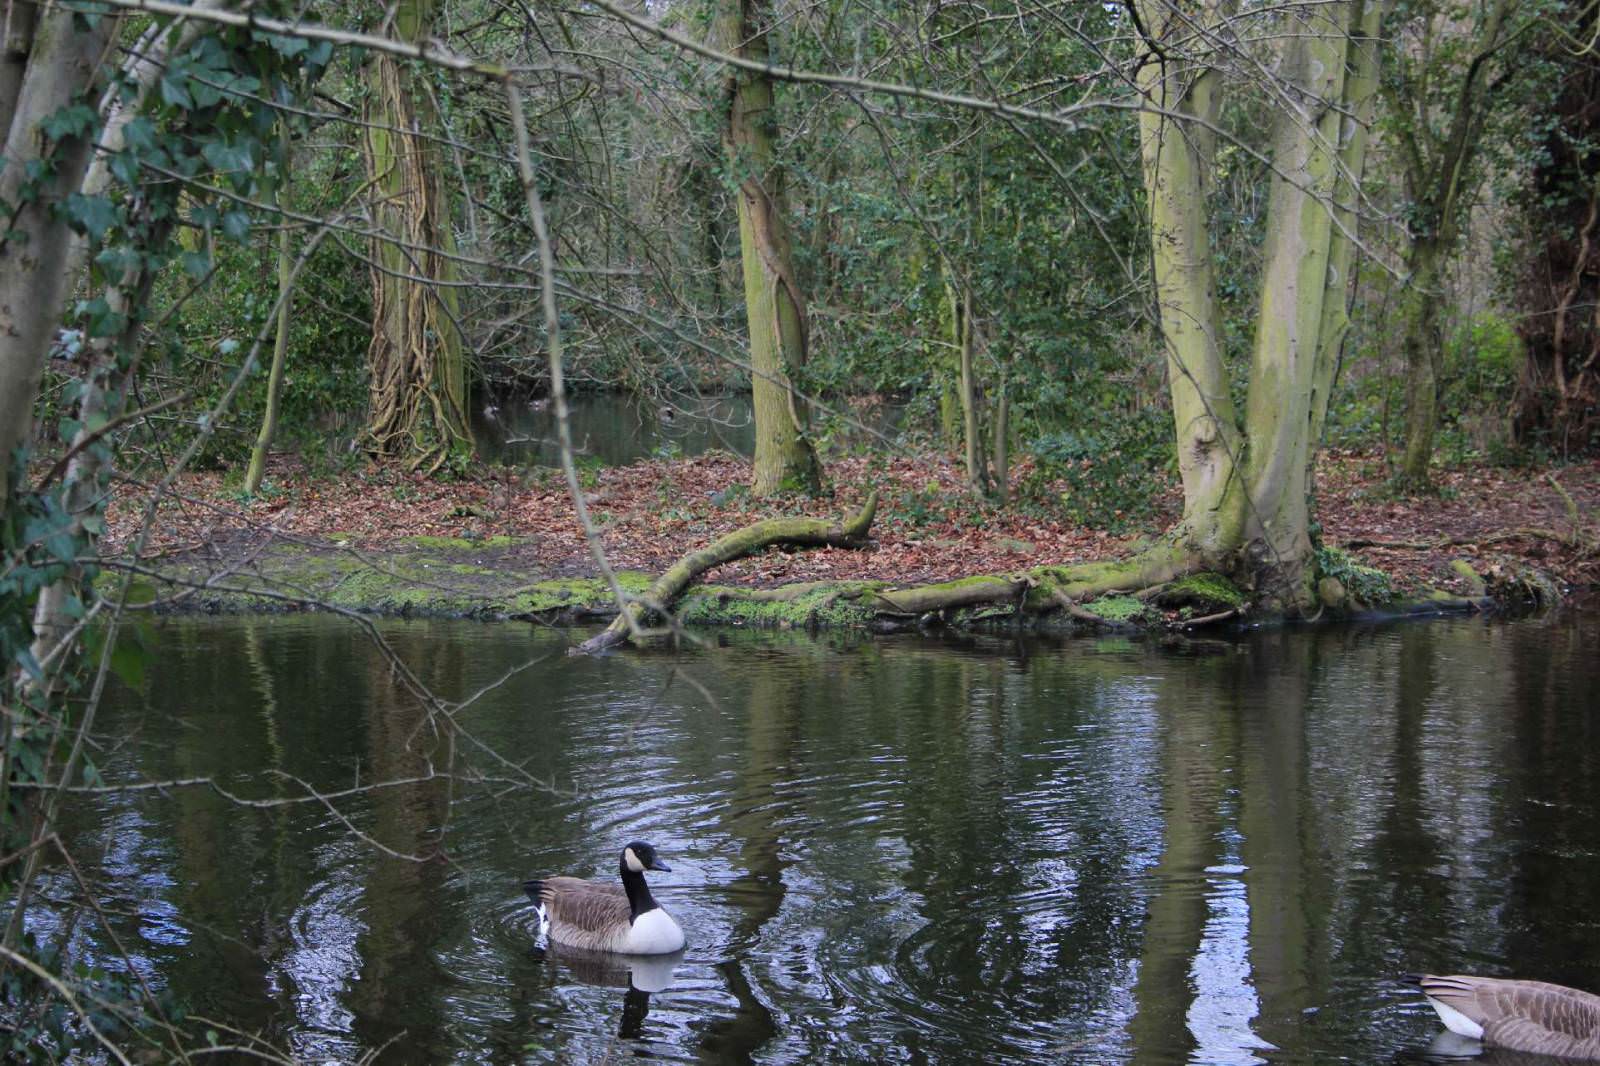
(1002,444)
(1294,287)
(1177,159)
(417,357)
(1361,93)
(961,336)
(1422,341)
(280,342)
(1245,487)
(774,306)
(36,254)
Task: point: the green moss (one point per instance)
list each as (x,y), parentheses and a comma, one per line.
(559,594)
(836,606)
(1125,610)
(442,541)
(1205,592)
(1365,585)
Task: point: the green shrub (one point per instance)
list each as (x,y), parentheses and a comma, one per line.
(1103,474)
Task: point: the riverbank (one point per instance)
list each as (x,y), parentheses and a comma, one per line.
(505,543)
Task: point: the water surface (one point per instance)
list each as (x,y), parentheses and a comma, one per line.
(884,849)
(615,429)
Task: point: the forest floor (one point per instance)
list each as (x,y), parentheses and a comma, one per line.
(508,527)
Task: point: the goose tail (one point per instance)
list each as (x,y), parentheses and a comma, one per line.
(1439,990)
(536,892)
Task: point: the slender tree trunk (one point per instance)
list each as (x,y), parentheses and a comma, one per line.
(62,65)
(1361,94)
(1294,287)
(280,346)
(1002,443)
(417,359)
(17,21)
(1422,341)
(961,337)
(776,311)
(1177,158)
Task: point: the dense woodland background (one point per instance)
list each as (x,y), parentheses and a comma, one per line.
(1089,246)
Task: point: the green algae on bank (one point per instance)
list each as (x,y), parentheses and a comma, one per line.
(491,579)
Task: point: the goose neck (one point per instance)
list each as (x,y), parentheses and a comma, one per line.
(639,897)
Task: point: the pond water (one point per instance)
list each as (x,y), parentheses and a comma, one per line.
(901,849)
(615,429)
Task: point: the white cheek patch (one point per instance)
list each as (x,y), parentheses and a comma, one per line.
(632,860)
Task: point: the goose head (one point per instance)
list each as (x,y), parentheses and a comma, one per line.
(638,857)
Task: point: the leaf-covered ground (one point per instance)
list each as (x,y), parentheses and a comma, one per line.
(929,527)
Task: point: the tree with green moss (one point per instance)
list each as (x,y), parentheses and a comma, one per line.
(1246,475)
(417,359)
(775,307)
(1445,80)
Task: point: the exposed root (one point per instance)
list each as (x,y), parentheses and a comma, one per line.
(800,532)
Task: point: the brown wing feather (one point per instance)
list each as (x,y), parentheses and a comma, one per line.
(1524,1015)
(585,914)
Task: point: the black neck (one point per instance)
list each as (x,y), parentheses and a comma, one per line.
(639,897)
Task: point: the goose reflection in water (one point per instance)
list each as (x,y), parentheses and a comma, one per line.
(1451,1047)
(641,975)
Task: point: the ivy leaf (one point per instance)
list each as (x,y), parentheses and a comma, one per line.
(102,321)
(196,264)
(236,226)
(205,215)
(232,158)
(204,92)
(139,134)
(118,260)
(124,167)
(92,215)
(61,547)
(236,84)
(288,47)
(175,92)
(30,665)
(75,120)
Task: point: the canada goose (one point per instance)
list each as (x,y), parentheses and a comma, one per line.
(626,920)
(1518,1015)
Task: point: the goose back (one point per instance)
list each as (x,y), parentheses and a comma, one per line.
(583,914)
(1529,1016)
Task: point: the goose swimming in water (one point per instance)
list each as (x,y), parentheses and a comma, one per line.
(1517,1015)
(596,917)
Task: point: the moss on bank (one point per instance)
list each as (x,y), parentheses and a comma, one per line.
(459,578)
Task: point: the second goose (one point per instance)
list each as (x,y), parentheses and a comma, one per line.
(1517,1015)
(626,920)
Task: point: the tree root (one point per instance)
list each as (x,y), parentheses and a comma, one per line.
(800,532)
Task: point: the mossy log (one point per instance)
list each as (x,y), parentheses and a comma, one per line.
(795,532)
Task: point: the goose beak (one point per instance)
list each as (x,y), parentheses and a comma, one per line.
(659,865)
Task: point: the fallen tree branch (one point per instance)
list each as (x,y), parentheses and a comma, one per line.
(1207,619)
(1080,613)
(1519,533)
(799,532)
(964,592)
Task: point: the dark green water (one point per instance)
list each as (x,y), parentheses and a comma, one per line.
(615,429)
(883,850)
